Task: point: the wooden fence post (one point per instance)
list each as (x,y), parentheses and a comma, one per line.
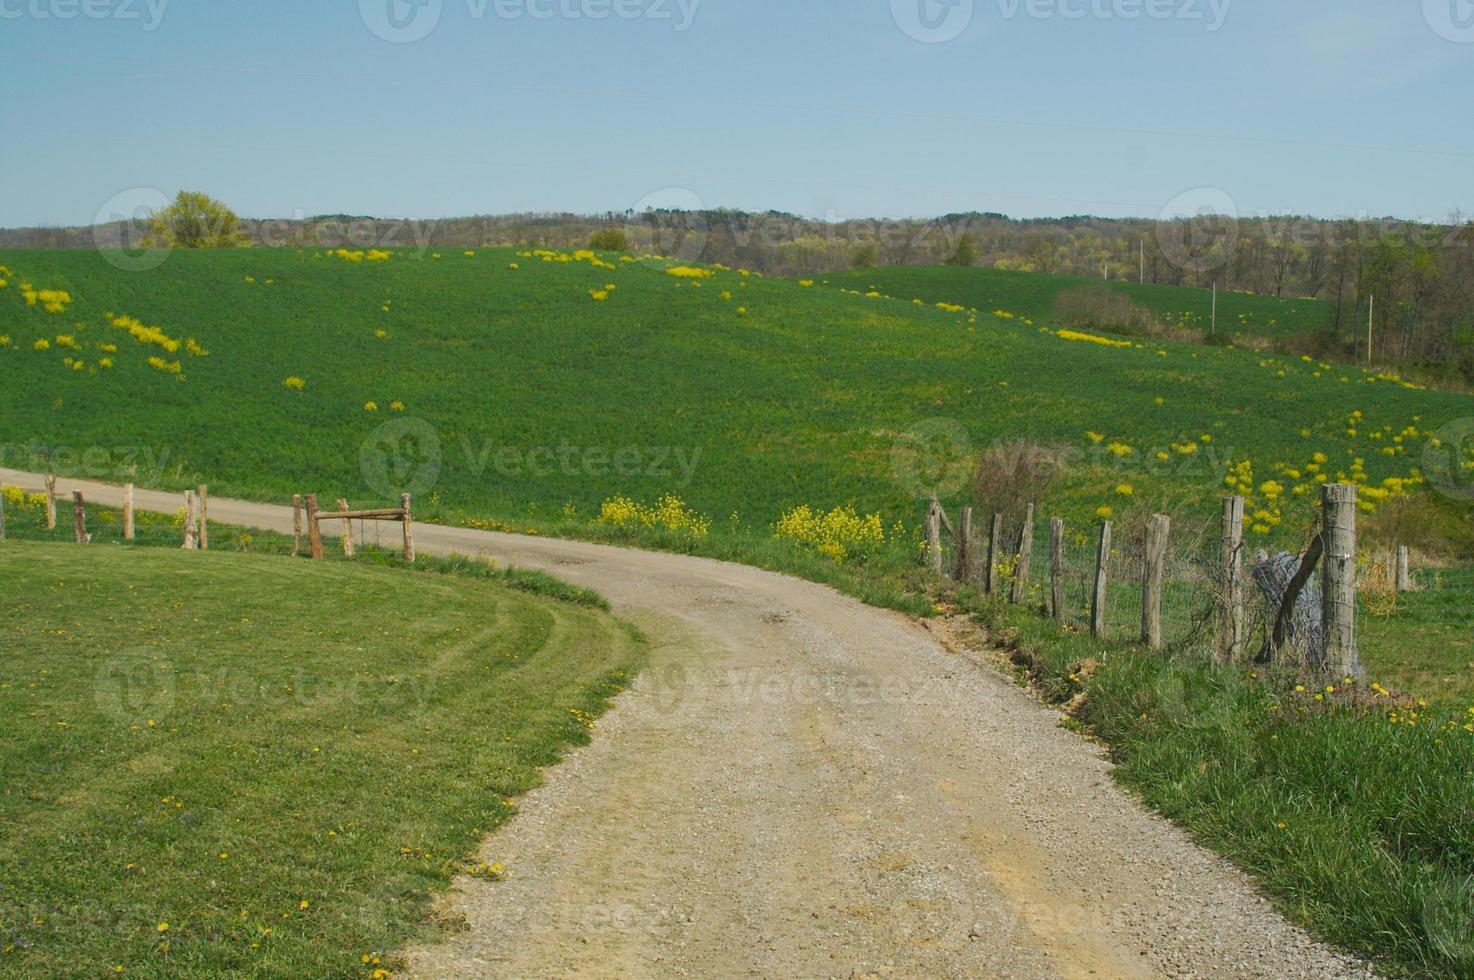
(1404,575)
(964,545)
(1338,576)
(191,529)
(409,538)
(1025,555)
(934,536)
(79,513)
(995,538)
(314,533)
(129,532)
(1056,567)
(1231,581)
(296,524)
(347,530)
(1098,596)
(1154,571)
(50,502)
(202,503)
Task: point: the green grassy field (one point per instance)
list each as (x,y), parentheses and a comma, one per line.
(536,401)
(1036,295)
(241,763)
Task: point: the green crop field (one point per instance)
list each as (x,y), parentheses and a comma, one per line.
(1036,295)
(236,763)
(737,394)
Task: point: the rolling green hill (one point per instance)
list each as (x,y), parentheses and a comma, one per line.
(737,394)
(1037,296)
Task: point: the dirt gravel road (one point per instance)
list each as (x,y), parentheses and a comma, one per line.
(800,785)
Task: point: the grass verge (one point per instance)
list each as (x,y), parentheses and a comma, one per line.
(238,763)
(1352,807)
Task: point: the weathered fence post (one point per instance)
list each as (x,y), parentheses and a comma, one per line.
(1153,574)
(50,502)
(296,524)
(314,532)
(934,536)
(1056,567)
(409,538)
(964,544)
(1231,581)
(191,529)
(129,532)
(995,538)
(79,514)
(347,530)
(1098,596)
(1338,576)
(1404,576)
(1025,555)
(202,503)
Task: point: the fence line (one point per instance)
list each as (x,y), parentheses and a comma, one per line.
(1182,591)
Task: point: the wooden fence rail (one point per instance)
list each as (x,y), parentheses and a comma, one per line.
(400,514)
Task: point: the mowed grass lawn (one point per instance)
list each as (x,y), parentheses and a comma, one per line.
(217,762)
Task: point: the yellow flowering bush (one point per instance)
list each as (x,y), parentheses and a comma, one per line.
(689,272)
(669,513)
(295,383)
(144,334)
(840,535)
(51,300)
(1090,338)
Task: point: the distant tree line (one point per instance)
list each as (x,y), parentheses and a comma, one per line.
(1416,279)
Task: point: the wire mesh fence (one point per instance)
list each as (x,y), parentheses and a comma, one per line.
(1193,595)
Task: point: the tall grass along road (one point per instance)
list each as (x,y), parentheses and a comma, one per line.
(799,784)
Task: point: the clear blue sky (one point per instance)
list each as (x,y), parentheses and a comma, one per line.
(1036,108)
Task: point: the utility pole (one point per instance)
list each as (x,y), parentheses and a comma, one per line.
(1213,331)
(1141,244)
(1104,266)
(1371,306)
